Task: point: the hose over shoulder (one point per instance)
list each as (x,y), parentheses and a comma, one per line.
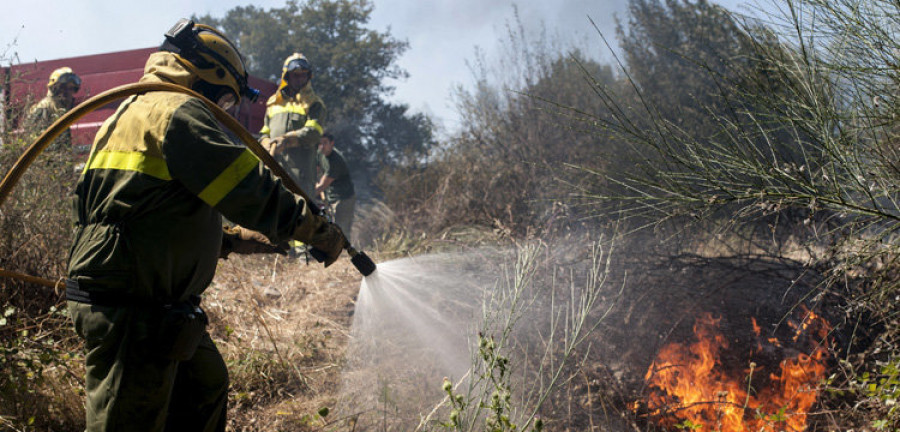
(51,133)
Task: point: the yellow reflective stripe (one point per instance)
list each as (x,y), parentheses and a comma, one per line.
(229,178)
(313,124)
(290,108)
(265,130)
(129,161)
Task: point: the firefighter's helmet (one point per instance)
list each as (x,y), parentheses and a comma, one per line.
(295,61)
(211,56)
(63,75)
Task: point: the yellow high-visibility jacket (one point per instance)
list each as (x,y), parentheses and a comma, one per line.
(303,114)
(149,204)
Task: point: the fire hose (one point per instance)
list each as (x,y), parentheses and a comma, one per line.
(360,260)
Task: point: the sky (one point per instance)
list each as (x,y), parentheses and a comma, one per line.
(442,34)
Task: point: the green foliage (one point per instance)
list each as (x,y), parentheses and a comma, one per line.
(880,392)
(772,129)
(40,360)
(776,417)
(497,367)
(399,138)
(688,425)
(791,121)
(496,372)
(314,420)
(323,412)
(504,167)
(259,375)
(692,123)
(509,386)
(678,52)
(351,67)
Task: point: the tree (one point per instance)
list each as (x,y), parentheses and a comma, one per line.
(399,138)
(351,66)
(714,104)
(504,167)
(680,54)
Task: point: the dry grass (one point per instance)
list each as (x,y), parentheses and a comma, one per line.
(283,336)
(283,339)
(41,364)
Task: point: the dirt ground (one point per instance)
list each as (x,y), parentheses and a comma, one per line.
(282,325)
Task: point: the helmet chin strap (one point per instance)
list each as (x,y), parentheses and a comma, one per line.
(215,93)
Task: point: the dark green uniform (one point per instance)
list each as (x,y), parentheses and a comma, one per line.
(149,229)
(303,113)
(42,115)
(340,194)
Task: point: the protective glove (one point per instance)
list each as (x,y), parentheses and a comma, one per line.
(325,237)
(271,145)
(286,142)
(243,241)
(306,137)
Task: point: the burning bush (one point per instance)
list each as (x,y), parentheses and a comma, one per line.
(689,384)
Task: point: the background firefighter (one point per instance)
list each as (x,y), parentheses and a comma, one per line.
(336,184)
(293,122)
(61,88)
(149,207)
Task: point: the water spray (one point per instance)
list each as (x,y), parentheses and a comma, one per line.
(360,260)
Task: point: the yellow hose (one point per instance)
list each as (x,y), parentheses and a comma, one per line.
(121,92)
(56,285)
(18,169)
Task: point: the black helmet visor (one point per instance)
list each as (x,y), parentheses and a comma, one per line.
(298,64)
(70,78)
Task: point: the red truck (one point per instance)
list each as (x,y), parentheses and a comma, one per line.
(24,84)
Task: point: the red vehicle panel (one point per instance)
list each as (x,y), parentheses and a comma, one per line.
(27,83)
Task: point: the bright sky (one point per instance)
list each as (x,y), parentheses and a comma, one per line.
(442,34)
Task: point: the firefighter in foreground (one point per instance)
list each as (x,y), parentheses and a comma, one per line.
(293,122)
(61,89)
(149,207)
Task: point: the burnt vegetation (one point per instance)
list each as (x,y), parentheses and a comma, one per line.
(748,167)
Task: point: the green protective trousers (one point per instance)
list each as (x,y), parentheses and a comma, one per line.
(300,161)
(343,210)
(130,387)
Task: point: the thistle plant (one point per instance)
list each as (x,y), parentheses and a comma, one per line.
(510,381)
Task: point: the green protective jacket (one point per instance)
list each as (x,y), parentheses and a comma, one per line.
(303,114)
(149,203)
(42,115)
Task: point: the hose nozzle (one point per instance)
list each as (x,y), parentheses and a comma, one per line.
(361,261)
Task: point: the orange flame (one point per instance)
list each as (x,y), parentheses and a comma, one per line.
(689,386)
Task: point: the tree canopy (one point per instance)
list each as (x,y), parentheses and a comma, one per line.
(352,65)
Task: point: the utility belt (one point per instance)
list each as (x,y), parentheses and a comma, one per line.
(177,328)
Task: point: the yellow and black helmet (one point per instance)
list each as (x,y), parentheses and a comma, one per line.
(63,75)
(209,55)
(296,61)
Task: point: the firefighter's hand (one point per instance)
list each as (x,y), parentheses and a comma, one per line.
(330,241)
(272,145)
(243,241)
(326,238)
